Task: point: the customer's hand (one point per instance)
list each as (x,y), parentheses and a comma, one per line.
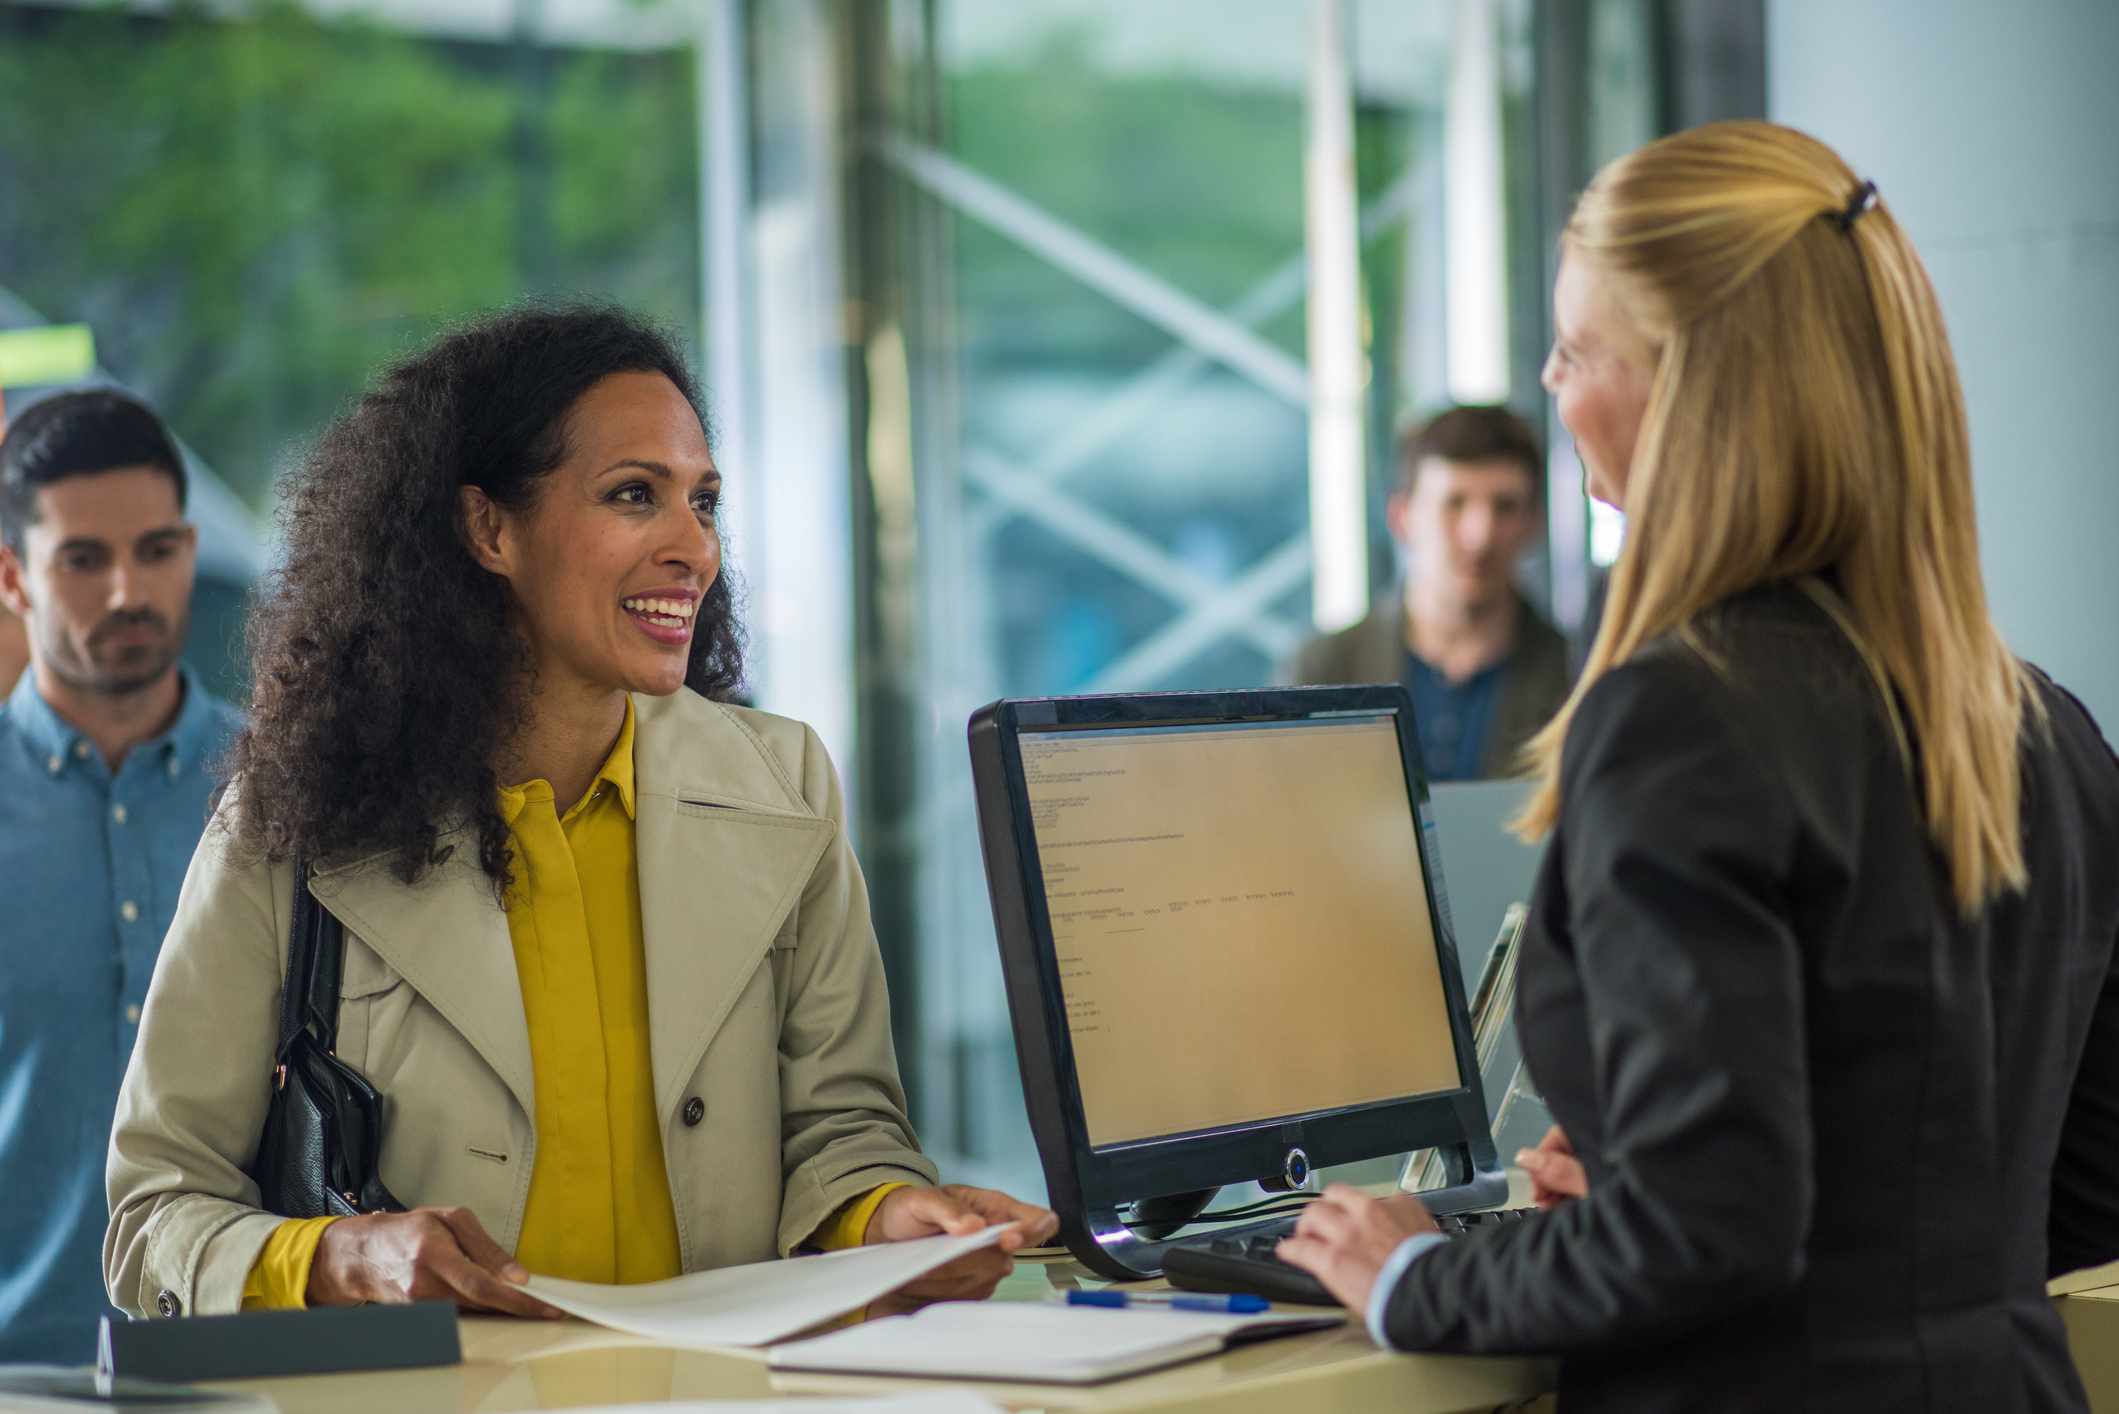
(428,1254)
(956,1209)
(1344,1238)
(1556,1175)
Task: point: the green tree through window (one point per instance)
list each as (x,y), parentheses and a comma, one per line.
(256,209)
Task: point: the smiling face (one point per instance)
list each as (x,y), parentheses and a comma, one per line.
(1599,373)
(610,562)
(103,582)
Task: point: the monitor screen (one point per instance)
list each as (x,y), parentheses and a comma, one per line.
(1240,920)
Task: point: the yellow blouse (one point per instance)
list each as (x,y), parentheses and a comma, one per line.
(599,1207)
(574,917)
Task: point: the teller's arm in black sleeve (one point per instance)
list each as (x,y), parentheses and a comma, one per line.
(2082,1226)
(2082,1229)
(1676,844)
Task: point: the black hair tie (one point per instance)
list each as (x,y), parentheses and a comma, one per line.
(1864,197)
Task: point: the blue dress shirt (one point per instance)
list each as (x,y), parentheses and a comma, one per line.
(90,867)
(1454,718)
(1394,1269)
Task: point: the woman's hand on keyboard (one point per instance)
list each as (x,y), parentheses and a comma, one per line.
(1344,1238)
(1556,1175)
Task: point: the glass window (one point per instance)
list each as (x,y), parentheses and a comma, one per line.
(256,206)
(1085,229)
(1007,315)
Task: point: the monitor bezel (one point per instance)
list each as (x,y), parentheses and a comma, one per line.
(1079,1172)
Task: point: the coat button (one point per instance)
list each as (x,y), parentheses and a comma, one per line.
(166,1302)
(694,1110)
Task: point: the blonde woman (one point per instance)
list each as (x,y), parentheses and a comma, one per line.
(1819,979)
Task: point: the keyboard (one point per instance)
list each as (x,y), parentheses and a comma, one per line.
(1247,1263)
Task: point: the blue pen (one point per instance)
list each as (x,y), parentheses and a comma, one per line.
(1241,1304)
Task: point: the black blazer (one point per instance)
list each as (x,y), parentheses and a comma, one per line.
(1837,1136)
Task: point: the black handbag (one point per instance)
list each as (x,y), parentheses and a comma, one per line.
(324,1129)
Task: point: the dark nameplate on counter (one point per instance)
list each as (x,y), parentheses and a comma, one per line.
(275,1344)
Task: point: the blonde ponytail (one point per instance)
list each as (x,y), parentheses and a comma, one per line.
(1805,423)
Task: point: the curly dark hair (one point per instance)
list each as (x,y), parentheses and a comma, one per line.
(387,665)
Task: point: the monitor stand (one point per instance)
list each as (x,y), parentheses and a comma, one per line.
(1126,1242)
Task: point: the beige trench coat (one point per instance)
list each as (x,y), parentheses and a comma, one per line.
(766,1006)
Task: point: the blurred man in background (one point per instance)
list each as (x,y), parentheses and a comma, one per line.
(106,749)
(1484,668)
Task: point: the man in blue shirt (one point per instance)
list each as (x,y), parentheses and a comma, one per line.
(106,753)
(1484,668)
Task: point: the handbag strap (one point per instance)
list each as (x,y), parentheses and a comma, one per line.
(315,960)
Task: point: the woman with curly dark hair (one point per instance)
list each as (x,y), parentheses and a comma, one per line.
(607,952)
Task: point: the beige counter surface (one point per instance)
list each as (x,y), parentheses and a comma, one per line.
(514,1365)
(2092,1320)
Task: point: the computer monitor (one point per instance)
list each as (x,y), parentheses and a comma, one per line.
(1227,950)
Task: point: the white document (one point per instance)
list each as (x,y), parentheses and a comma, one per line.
(1034,1340)
(762,1302)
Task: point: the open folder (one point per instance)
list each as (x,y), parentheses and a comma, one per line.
(1034,1340)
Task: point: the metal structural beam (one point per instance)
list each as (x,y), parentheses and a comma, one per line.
(1132,402)
(1037,489)
(1098,266)
(1108,540)
(1244,602)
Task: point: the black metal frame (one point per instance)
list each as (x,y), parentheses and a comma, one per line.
(1088,1185)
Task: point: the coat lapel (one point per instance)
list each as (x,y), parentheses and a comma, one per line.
(724,844)
(448,937)
(724,847)
(1380,655)
(1534,683)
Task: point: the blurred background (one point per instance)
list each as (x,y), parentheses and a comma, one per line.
(1052,346)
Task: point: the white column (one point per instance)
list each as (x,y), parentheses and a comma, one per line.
(724,225)
(1476,252)
(804,607)
(1339,582)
